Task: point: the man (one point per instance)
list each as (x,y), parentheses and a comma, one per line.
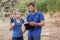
(35,19)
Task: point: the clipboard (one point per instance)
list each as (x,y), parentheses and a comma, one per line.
(28,27)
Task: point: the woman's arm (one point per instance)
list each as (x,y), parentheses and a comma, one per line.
(24,31)
(11,26)
(25,28)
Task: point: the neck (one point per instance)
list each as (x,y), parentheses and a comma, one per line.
(18,18)
(33,12)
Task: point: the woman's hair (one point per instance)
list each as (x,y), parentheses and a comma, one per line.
(17,10)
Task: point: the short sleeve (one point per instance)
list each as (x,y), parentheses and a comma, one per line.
(27,18)
(22,21)
(41,17)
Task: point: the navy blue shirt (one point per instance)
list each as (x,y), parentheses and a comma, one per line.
(17,30)
(37,18)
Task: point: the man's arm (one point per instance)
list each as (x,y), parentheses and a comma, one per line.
(42,23)
(42,20)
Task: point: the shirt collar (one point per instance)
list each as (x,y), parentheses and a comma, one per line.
(35,13)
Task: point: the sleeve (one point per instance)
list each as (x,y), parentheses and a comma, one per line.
(23,21)
(41,17)
(27,18)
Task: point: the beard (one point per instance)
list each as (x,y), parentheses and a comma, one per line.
(33,11)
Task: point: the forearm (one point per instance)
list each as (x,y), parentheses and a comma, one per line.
(40,24)
(11,26)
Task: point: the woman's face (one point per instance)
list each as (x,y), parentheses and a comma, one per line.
(18,15)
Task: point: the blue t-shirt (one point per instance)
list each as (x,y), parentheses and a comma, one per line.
(17,30)
(37,17)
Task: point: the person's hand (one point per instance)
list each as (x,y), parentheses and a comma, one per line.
(26,22)
(32,23)
(13,24)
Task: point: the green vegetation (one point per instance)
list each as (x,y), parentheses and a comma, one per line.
(42,5)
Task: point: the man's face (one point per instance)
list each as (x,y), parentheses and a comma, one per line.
(31,8)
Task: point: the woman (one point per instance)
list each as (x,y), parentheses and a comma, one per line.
(16,26)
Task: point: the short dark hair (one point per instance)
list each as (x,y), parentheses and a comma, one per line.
(31,3)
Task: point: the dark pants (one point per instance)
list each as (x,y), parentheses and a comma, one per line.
(33,38)
(17,38)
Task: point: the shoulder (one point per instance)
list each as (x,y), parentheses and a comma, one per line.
(14,19)
(40,13)
(28,14)
(22,19)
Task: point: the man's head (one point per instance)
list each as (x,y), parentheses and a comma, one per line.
(31,7)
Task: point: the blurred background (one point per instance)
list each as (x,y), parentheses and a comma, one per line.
(50,8)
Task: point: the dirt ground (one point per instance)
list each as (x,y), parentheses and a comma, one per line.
(51,30)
